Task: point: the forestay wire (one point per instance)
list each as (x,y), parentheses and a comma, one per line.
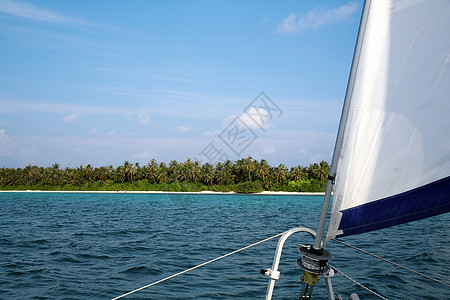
(393,263)
(198,266)
(272,237)
(361,285)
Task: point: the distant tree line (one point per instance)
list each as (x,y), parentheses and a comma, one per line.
(243,176)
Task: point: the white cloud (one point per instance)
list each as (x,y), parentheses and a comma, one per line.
(182,128)
(253,118)
(289,24)
(72,117)
(317,17)
(143,117)
(212,133)
(94,131)
(269,149)
(11,106)
(29,11)
(301,151)
(111,133)
(7,145)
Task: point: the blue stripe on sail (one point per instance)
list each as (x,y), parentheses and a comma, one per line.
(423,202)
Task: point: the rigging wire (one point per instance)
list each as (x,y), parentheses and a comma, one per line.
(360,284)
(391,262)
(198,266)
(272,237)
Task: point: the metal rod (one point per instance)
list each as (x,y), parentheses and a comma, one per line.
(323,215)
(277,257)
(342,123)
(329,287)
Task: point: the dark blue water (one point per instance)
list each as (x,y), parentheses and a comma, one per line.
(98,246)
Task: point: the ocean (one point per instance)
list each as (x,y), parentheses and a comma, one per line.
(99,246)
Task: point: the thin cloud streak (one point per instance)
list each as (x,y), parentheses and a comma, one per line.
(35,13)
(138,72)
(182,128)
(52,41)
(317,17)
(9,106)
(143,117)
(72,117)
(94,131)
(32,12)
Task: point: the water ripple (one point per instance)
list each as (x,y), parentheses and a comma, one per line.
(97,246)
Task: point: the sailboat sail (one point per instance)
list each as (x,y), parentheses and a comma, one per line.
(393,165)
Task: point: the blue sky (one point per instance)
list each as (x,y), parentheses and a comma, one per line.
(101,82)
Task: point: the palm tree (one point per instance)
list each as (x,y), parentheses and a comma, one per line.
(31,175)
(151,171)
(228,175)
(269,180)
(52,176)
(281,173)
(220,176)
(239,170)
(297,173)
(139,172)
(162,173)
(324,170)
(173,170)
(129,170)
(191,170)
(262,170)
(249,167)
(88,172)
(196,171)
(119,174)
(9,177)
(319,171)
(313,171)
(101,173)
(182,172)
(70,176)
(208,174)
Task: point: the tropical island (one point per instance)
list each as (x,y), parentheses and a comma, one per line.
(242,176)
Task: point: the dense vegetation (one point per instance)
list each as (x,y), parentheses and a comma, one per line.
(243,176)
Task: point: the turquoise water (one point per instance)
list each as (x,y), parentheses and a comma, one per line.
(98,246)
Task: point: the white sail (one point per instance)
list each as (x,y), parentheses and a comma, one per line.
(394,162)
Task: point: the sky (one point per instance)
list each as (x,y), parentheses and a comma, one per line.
(103,82)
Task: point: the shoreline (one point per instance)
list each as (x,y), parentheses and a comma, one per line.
(265,193)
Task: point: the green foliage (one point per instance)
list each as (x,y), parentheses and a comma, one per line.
(243,176)
(307,186)
(174,187)
(221,188)
(249,187)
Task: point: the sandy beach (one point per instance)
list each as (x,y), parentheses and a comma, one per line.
(164,192)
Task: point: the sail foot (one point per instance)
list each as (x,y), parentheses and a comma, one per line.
(422,202)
